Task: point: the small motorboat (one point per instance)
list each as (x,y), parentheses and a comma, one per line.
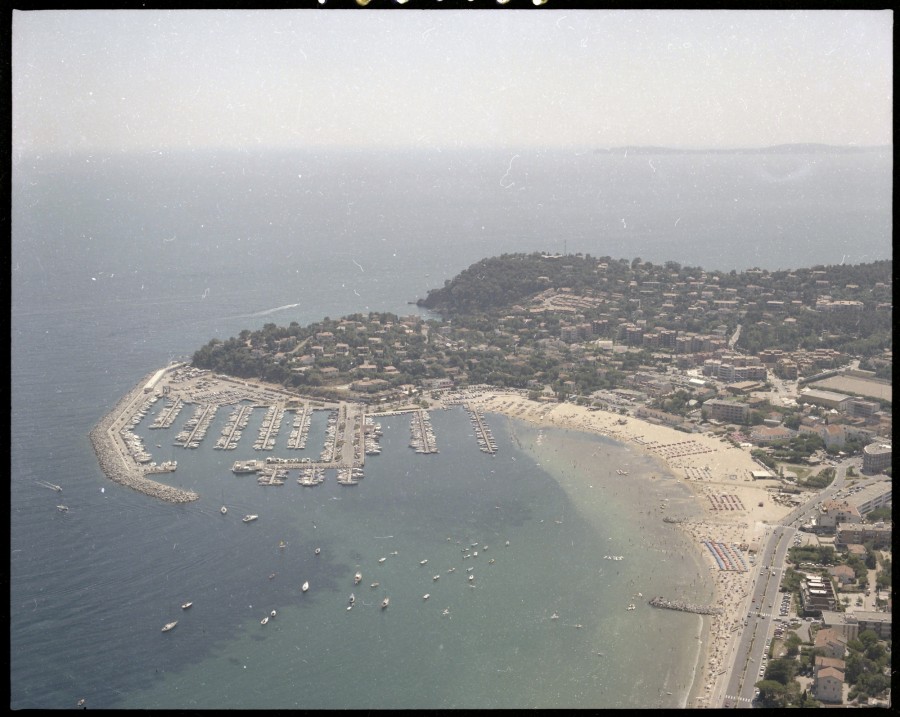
(264,620)
(381,560)
(471,577)
(169,625)
(374,585)
(385,603)
(435,577)
(186,605)
(357,578)
(223,510)
(62,508)
(352,598)
(249,518)
(282,545)
(422,562)
(426,596)
(273,613)
(317,551)
(305,586)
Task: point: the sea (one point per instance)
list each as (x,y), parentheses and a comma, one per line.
(123,263)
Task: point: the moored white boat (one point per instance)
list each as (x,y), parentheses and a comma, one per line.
(169,625)
(385,602)
(305,586)
(249,518)
(186,605)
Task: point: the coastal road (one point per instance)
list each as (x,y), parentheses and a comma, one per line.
(751,652)
(764,599)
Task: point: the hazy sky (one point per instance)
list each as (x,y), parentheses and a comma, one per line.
(156,79)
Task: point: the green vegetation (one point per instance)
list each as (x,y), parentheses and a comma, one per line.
(798,448)
(820,480)
(868,659)
(866,664)
(578,324)
(817,554)
(883,578)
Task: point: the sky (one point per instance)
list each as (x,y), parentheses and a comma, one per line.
(156,80)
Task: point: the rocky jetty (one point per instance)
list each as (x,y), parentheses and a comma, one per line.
(115,460)
(685,606)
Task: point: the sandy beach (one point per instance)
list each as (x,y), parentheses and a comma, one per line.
(735,508)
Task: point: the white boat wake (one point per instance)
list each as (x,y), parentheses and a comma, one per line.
(266,312)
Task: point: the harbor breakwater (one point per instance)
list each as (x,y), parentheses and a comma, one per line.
(685,607)
(115,460)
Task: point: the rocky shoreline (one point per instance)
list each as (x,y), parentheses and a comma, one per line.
(117,464)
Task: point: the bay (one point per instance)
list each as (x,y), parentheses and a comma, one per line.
(122,263)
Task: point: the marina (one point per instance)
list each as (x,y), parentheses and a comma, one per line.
(483,434)
(232,431)
(422,438)
(350,434)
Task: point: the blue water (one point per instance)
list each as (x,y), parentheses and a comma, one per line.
(120,264)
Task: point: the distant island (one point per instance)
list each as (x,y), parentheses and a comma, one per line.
(798,148)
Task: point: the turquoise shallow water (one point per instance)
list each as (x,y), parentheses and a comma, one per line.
(497,645)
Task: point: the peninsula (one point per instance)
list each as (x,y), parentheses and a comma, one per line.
(758,389)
